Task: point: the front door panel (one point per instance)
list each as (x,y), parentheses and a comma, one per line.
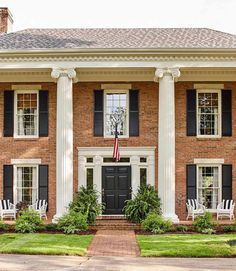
(116,184)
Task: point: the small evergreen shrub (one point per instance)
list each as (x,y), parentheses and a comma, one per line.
(205,223)
(3,226)
(72,222)
(145,201)
(28,222)
(156,224)
(181,228)
(51,227)
(86,202)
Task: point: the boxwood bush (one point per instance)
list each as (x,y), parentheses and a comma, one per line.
(28,221)
(205,223)
(72,222)
(156,223)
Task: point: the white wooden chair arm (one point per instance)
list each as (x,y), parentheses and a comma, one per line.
(12,206)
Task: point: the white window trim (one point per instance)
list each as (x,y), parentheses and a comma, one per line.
(219,180)
(15,114)
(107,91)
(15,179)
(219,113)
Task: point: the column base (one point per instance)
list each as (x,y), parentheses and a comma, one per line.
(173,217)
(56,217)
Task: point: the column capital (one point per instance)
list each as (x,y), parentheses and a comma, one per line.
(160,73)
(64,72)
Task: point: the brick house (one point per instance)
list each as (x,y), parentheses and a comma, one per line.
(172,92)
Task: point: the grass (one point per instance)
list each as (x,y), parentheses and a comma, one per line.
(187,245)
(50,244)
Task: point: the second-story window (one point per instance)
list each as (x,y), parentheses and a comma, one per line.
(116,111)
(26,119)
(208,113)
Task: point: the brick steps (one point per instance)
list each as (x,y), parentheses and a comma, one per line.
(114,224)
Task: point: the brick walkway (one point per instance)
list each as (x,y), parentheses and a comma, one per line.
(114,243)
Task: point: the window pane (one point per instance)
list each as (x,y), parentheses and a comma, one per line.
(143,176)
(116,112)
(208,114)
(89,159)
(143,159)
(122,160)
(208,186)
(27,114)
(89,177)
(26,182)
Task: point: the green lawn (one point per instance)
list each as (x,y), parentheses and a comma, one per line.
(187,245)
(51,244)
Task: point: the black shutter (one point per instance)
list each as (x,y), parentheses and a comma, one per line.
(43,182)
(226,182)
(133,112)
(191,112)
(43,113)
(98,113)
(8,113)
(226,99)
(191,182)
(8,182)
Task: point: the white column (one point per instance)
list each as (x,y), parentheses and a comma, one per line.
(82,171)
(135,174)
(64,139)
(151,170)
(97,176)
(166,141)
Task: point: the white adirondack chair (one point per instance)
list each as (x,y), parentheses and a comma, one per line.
(7,209)
(226,209)
(40,206)
(194,208)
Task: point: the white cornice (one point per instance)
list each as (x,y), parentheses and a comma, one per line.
(117,75)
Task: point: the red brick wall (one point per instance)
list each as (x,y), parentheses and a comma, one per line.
(187,148)
(43,148)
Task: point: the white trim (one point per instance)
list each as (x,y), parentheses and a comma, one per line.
(26,87)
(208,161)
(15,179)
(116,86)
(26,161)
(15,114)
(113,91)
(98,153)
(218,91)
(208,86)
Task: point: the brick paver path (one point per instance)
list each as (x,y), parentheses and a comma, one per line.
(114,243)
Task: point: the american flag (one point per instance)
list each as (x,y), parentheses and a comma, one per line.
(116,152)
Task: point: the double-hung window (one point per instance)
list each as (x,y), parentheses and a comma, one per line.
(26,118)
(116,112)
(208,113)
(26,184)
(209,185)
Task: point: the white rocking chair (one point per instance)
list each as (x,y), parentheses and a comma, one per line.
(7,209)
(226,208)
(194,208)
(40,206)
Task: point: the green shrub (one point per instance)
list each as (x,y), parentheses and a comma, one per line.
(72,222)
(229,228)
(205,223)
(86,202)
(156,224)
(28,221)
(3,226)
(181,228)
(145,201)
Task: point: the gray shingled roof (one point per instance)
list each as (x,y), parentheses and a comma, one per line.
(117,38)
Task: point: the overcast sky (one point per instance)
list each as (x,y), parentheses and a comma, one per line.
(216,14)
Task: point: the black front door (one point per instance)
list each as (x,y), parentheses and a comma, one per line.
(116,188)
